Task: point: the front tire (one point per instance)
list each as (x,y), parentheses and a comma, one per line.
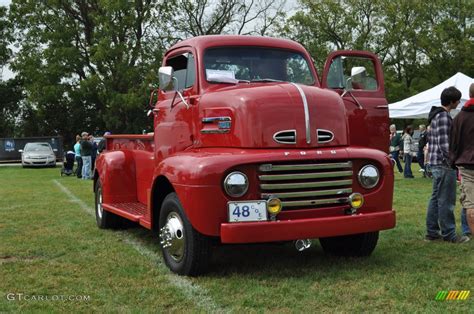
(362,244)
(185,250)
(104,219)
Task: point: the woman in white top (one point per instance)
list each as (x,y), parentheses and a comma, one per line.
(407,152)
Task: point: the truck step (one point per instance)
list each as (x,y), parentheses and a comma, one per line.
(132,211)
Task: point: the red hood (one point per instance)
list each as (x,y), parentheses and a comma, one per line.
(470,102)
(258,111)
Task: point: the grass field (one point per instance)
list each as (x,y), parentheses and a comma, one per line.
(53,258)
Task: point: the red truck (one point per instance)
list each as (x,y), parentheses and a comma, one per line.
(251,146)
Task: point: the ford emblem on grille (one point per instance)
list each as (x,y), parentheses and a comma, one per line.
(324,136)
(285,137)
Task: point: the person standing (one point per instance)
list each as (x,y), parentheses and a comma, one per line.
(461,154)
(420,156)
(395,140)
(94,152)
(440,222)
(86,153)
(407,152)
(77,152)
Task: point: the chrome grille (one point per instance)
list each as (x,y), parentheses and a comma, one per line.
(307,185)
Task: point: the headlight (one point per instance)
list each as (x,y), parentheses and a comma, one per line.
(26,156)
(368,176)
(236,184)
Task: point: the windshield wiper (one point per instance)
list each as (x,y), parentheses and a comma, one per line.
(228,81)
(265,80)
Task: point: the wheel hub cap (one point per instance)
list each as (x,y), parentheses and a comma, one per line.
(172,237)
(99,205)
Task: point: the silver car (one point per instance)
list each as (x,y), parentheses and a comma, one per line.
(37,155)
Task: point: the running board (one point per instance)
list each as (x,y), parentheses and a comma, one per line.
(135,212)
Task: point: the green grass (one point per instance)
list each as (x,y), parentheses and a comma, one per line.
(50,245)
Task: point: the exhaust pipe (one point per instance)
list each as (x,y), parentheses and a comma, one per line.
(302,244)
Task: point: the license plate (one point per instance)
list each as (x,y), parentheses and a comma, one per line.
(247,211)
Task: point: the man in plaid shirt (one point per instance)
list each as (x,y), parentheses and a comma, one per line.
(440,223)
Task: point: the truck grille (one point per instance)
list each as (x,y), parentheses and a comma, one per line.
(307,185)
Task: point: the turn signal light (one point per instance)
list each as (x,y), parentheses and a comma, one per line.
(274,206)
(356,200)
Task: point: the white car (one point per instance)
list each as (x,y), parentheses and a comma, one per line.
(37,155)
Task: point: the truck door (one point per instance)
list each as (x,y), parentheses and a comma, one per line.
(174,124)
(358,77)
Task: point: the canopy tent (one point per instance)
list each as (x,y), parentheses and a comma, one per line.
(419,105)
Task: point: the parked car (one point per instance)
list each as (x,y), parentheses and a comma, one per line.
(37,155)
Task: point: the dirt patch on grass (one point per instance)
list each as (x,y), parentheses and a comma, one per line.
(4,259)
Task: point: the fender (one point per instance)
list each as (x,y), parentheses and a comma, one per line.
(117,174)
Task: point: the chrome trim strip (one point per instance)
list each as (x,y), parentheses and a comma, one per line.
(326,138)
(306,112)
(215,119)
(343,200)
(293,138)
(307,193)
(300,176)
(215,131)
(304,185)
(267,168)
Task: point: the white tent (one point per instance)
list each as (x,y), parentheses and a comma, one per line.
(419,105)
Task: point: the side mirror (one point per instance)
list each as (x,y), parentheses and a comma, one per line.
(165,75)
(357,70)
(20,150)
(55,150)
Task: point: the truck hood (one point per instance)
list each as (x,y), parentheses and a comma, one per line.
(272,115)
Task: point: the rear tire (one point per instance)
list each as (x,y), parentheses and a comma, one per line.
(104,219)
(185,250)
(362,244)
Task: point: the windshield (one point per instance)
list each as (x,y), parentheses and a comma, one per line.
(38,147)
(233,64)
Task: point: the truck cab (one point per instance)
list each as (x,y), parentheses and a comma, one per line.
(251,146)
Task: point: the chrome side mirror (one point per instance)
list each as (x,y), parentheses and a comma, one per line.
(357,70)
(165,75)
(20,150)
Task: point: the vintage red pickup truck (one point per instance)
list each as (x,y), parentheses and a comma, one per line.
(251,146)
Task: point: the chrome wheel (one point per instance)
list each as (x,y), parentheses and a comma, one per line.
(100,210)
(172,237)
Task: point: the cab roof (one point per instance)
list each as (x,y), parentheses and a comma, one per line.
(203,42)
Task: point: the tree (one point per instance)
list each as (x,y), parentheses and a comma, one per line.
(88,64)
(5,38)
(243,17)
(326,25)
(420,43)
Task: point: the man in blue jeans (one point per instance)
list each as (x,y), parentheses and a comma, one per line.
(440,223)
(86,153)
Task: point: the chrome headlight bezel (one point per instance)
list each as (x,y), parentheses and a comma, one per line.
(368,176)
(236,180)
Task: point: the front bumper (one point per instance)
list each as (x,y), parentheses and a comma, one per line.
(287,230)
(39,162)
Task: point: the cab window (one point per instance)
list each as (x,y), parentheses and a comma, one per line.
(352,73)
(184,71)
